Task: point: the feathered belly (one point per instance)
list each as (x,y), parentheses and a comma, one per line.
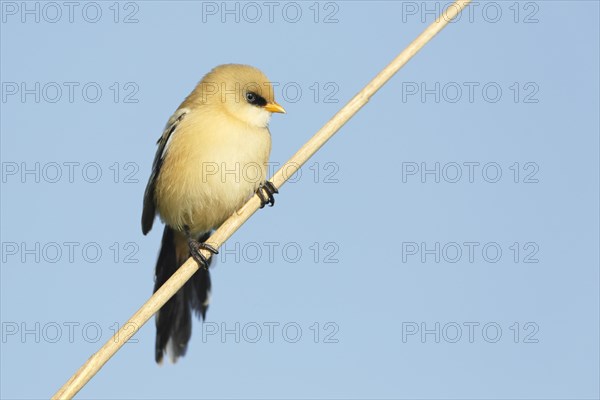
(202,183)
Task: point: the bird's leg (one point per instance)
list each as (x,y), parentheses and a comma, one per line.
(265,192)
(195,247)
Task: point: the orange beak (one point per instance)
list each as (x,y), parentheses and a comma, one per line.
(274,108)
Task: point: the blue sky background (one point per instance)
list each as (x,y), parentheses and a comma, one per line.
(370,289)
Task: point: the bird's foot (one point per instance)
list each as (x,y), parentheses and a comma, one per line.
(265,192)
(195,246)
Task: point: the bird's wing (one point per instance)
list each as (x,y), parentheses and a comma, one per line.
(149,211)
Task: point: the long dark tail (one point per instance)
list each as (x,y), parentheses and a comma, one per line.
(173,321)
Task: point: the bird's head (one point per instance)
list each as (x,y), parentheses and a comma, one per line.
(242,91)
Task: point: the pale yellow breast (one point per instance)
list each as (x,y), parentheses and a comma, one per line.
(213,164)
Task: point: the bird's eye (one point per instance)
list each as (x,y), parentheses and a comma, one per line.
(255,99)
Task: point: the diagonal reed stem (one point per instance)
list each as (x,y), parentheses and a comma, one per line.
(185,272)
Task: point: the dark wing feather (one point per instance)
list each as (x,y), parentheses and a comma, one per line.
(149,211)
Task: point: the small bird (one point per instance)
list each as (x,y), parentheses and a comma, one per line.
(211,158)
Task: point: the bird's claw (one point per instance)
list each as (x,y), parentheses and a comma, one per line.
(195,247)
(265,192)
